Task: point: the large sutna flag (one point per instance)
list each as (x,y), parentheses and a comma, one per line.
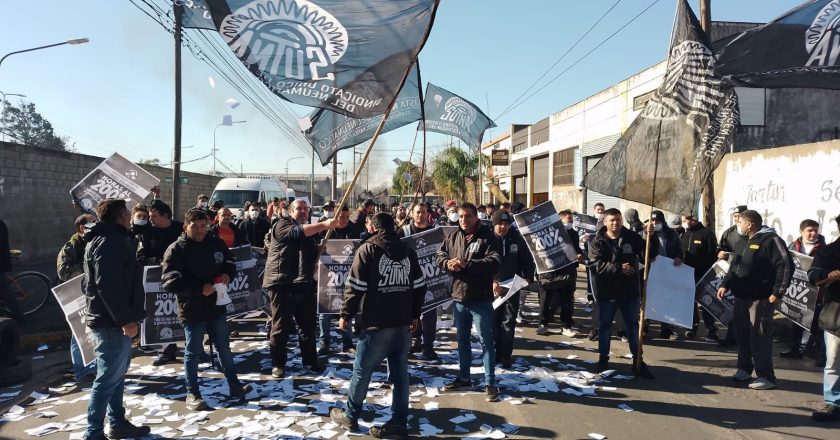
(799,49)
(329,132)
(689,121)
(450,114)
(345,56)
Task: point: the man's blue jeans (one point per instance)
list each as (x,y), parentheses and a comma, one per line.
(217,330)
(831,375)
(373,347)
(79,368)
(324,321)
(113,355)
(482,314)
(630,312)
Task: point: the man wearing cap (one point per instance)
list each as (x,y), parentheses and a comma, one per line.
(471,254)
(361,214)
(699,247)
(729,241)
(557,288)
(329,211)
(451,217)
(516,260)
(667,244)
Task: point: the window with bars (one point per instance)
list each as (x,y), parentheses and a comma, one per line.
(564,167)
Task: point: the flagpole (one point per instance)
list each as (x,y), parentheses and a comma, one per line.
(410,155)
(368,150)
(423,122)
(637,361)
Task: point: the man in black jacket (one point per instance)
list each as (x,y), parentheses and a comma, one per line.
(194,268)
(254,226)
(423,335)
(152,244)
(343,231)
(289,278)
(667,244)
(615,254)
(729,241)
(516,260)
(114,304)
(699,250)
(826,268)
(759,275)
(386,288)
(557,288)
(471,254)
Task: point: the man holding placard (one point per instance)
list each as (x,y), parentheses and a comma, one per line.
(197,268)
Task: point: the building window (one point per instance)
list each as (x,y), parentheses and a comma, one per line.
(564,167)
(519,147)
(640,101)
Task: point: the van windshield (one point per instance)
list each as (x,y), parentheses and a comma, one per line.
(234,198)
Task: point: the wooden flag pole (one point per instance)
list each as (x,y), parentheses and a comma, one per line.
(637,361)
(367,152)
(410,155)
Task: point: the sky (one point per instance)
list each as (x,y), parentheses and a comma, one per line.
(116,93)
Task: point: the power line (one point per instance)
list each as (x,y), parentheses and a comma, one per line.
(582,58)
(572,47)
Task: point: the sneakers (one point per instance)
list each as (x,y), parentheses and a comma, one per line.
(278,372)
(237,390)
(644,372)
(163,359)
(338,415)
(389,431)
(127,430)
(828,413)
(542,330)
(147,349)
(593,335)
(99,436)
(666,334)
(195,402)
(458,384)
(762,383)
(313,369)
(690,335)
(741,376)
(491,393)
(791,354)
(568,332)
(711,337)
(324,349)
(429,354)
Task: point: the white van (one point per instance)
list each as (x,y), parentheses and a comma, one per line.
(236,191)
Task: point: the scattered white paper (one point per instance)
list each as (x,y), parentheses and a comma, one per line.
(596,436)
(625,407)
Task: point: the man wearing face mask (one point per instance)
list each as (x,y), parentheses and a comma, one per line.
(203,203)
(254,226)
(759,276)
(451,218)
(423,335)
(139,219)
(329,211)
(808,242)
(557,288)
(729,241)
(699,248)
(667,244)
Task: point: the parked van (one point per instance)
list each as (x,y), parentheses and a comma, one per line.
(236,191)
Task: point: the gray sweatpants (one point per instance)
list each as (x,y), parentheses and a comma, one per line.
(752,319)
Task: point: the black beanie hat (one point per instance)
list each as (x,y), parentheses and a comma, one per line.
(501,216)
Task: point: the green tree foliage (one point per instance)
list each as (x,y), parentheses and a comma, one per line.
(29,127)
(451,166)
(399,184)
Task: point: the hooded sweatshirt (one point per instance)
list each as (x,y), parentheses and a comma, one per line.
(761,266)
(631,217)
(385,285)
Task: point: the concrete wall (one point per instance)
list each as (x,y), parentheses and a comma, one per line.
(35,198)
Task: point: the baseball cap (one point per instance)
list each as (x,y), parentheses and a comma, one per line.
(501,216)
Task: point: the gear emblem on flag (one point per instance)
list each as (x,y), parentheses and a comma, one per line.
(459,112)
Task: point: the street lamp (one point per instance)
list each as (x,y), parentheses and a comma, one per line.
(287,169)
(72,42)
(227,121)
(3,111)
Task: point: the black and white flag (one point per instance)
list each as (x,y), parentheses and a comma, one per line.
(115,178)
(448,113)
(70,297)
(799,49)
(345,56)
(688,124)
(438,282)
(333,268)
(546,237)
(329,132)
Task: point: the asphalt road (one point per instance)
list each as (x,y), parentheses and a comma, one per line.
(692,396)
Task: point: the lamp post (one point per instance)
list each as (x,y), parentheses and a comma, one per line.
(3,111)
(287,169)
(72,42)
(227,121)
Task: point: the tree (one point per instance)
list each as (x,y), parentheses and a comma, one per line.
(25,124)
(451,166)
(153,162)
(400,185)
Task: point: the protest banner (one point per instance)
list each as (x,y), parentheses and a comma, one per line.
(670,293)
(512,286)
(547,238)
(161,325)
(333,268)
(800,300)
(72,301)
(584,224)
(115,178)
(706,293)
(245,289)
(438,282)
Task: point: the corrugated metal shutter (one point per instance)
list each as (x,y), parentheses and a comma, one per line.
(518,167)
(751,105)
(599,146)
(593,197)
(539,168)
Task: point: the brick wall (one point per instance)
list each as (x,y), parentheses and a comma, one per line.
(35,198)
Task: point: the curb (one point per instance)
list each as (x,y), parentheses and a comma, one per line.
(31,341)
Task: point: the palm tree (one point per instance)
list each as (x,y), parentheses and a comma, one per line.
(450,166)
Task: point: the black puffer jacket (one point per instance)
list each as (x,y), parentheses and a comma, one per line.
(729,239)
(699,247)
(187,266)
(385,283)
(254,230)
(827,260)
(113,283)
(481,254)
(761,266)
(607,255)
(153,242)
(291,255)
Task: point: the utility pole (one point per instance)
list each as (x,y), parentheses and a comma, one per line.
(178,9)
(709,187)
